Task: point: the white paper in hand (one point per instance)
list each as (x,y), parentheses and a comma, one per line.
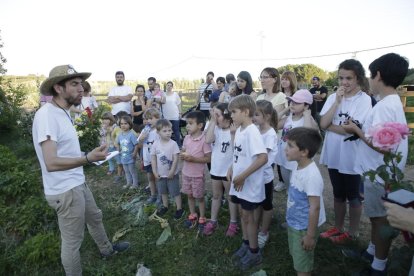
(109,156)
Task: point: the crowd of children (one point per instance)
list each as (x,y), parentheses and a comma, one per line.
(241,147)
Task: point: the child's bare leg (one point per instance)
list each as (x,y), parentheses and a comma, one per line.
(178,202)
(266,220)
(151,182)
(164,200)
(191,204)
(251,228)
(340,211)
(232,207)
(216,201)
(244,223)
(202,207)
(120,170)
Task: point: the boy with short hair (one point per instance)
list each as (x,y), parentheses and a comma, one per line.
(164,160)
(147,138)
(247,177)
(195,154)
(387,73)
(305,209)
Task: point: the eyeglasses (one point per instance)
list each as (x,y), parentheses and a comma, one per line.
(265,77)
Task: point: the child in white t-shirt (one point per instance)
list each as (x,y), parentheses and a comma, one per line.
(265,119)
(247,178)
(387,73)
(305,209)
(147,138)
(219,136)
(339,148)
(299,116)
(164,161)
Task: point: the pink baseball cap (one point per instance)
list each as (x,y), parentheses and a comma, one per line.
(301,96)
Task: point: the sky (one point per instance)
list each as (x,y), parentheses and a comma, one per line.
(187,38)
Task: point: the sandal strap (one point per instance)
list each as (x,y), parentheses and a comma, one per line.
(192,216)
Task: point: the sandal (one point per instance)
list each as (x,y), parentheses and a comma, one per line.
(191,222)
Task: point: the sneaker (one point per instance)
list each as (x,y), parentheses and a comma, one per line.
(201,223)
(109,172)
(250,260)
(133,187)
(126,186)
(191,222)
(341,238)
(280,186)
(333,231)
(179,214)
(151,200)
(232,229)
(116,248)
(358,255)
(262,239)
(236,257)
(117,178)
(209,228)
(162,211)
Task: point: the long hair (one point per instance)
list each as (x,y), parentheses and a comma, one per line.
(291,76)
(274,74)
(266,108)
(244,75)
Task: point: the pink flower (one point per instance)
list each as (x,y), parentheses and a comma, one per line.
(402,128)
(385,138)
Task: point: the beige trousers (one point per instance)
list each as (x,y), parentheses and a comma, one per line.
(75,208)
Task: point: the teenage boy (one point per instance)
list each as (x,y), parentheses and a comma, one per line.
(246,174)
(305,209)
(387,73)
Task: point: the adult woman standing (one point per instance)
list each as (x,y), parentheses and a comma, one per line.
(270,81)
(245,84)
(171,110)
(138,107)
(289,86)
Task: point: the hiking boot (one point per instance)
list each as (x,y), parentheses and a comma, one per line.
(116,248)
(232,229)
(333,231)
(341,238)
(280,186)
(191,222)
(250,260)
(179,214)
(209,228)
(236,257)
(262,239)
(358,255)
(162,211)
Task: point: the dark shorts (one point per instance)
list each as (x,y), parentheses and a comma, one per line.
(148,169)
(345,186)
(222,178)
(245,205)
(267,203)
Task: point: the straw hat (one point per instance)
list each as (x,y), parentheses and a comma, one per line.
(58,74)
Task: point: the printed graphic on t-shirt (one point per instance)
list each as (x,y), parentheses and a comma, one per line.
(285,131)
(224,146)
(165,161)
(124,147)
(237,152)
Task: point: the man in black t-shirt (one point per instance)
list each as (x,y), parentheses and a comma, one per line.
(320,94)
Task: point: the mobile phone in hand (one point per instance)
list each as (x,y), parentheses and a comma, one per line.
(401,197)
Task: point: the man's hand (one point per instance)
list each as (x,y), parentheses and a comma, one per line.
(98,154)
(400,217)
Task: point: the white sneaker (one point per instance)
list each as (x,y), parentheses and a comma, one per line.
(280,186)
(126,186)
(262,239)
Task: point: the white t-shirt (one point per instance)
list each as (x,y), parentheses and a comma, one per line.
(389,109)
(146,150)
(222,152)
(89,102)
(122,106)
(247,145)
(165,156)
(337,153)
(270,142)
(281,145)
(304,183)
(51,121)
(170,108)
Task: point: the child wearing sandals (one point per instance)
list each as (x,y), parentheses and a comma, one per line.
(305,210)
(265,119)
(195,154)
(219,136)
(247,178)
(164,156)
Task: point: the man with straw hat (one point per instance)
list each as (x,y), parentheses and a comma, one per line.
(61,160)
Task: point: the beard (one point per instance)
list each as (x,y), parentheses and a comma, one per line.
(120,82)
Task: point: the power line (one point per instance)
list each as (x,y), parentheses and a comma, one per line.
(305,57)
